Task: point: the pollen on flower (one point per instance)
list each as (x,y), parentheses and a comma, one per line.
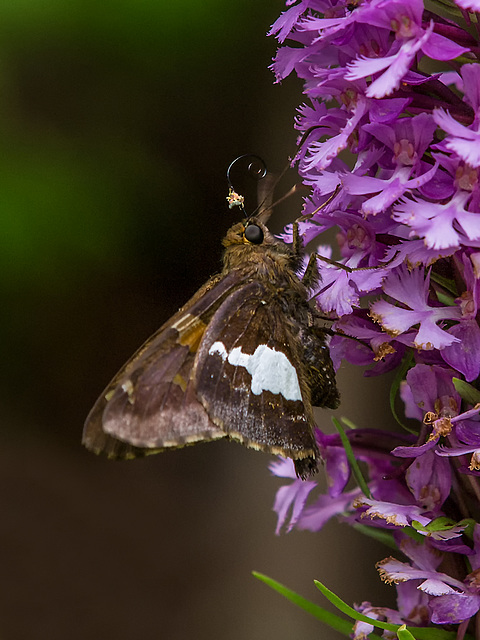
(387,514)
(475,461)
(414,265)
(390,519)
(430,417)
(385,349)
(377,317)
(423,346)
(385,576)
(441,427)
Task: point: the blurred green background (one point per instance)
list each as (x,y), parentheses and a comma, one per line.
(117,123)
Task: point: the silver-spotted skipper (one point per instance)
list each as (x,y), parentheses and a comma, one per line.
(245,359)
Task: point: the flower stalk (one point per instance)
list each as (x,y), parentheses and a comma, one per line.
(396,85)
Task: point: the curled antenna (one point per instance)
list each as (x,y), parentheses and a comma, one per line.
(265,207)
(303,140)
(256,168)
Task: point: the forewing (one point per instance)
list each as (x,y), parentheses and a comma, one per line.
(151,403)
(249,376)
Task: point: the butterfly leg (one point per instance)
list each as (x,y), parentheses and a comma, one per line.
(311,276)
(296,240)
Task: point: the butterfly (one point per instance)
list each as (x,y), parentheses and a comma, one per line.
(246,358)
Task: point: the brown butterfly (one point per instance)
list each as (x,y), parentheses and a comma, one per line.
(246,358)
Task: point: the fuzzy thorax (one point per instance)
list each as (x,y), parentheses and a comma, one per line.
(272,260)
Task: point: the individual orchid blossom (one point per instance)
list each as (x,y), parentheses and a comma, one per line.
(411,289)
(391,154)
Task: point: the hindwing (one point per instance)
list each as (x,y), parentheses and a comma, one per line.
(226,365)
(250,378)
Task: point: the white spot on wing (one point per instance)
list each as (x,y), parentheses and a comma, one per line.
(218,347)
(271,370)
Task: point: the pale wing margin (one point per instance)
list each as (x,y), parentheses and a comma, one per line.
(151,404)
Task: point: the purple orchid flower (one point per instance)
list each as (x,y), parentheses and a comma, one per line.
(412,289)
(391,154)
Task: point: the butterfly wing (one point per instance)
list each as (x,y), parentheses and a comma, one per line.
(151,403)
(250,378)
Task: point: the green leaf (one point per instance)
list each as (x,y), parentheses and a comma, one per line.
(446,7)
(348,423)
(418,526)
(466,391)
(445,524)
(445,299)
(401,372)
(330,619)
(381,535)
(351,459)
(439,524)
(469,524)
(350,612)
(447,283)
(421,633)
(345,627)
(414,535)
(404,634)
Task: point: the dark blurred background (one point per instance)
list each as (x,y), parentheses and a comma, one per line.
(117,123)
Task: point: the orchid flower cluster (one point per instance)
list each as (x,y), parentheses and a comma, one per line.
(391,154)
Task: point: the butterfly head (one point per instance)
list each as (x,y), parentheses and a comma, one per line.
(251,234)
(250,246)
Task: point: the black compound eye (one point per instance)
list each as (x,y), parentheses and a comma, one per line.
(254,234)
